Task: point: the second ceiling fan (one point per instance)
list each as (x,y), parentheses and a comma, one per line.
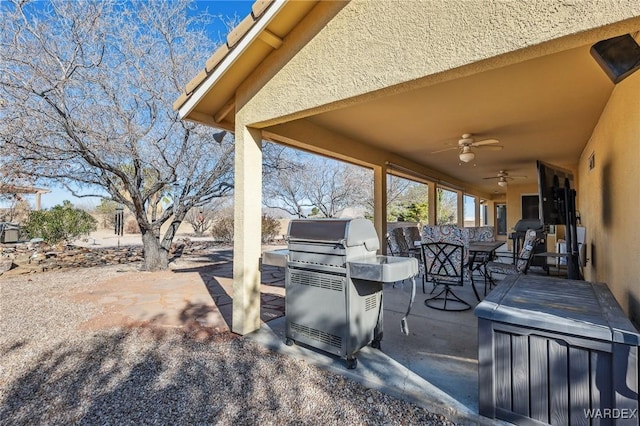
(503,177)
(466,144)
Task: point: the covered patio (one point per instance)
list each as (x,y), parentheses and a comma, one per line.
(385,87)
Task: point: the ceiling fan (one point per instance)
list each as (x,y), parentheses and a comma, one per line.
(503,177)
(466,144)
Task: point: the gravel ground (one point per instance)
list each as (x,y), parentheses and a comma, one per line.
(52,371)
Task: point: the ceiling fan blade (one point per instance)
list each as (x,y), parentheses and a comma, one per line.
(491,147)
(516,177)
(492,177)
(485,142)
(445,149)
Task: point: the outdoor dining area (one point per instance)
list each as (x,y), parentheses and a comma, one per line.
(450,256)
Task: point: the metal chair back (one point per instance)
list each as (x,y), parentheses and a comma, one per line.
(398,243)
(444,263)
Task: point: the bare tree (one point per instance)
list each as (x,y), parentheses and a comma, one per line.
(284,191)
(403,195)
(87,89)
(282,184)
(201,218)
(302,181)
(18,208)
(332,186)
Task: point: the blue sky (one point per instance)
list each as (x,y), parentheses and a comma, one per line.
(217,29)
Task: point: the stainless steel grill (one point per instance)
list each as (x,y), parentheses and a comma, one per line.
(334,284)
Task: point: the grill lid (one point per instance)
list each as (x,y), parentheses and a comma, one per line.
(349,232)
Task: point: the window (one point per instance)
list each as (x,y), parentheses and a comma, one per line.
(447,202)
(469,210)
(407,200)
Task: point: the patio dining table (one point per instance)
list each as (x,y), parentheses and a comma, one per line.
(481,252)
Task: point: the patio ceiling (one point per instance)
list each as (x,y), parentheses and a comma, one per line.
(540,109)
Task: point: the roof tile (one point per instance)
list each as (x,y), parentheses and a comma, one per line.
(180,101)
(239,31)
(195,81)
(257,10)
(259,7)
(216,58)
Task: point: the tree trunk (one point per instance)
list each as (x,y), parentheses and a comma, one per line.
(156,257)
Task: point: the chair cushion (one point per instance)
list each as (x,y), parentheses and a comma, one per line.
(501,268)
(527,250)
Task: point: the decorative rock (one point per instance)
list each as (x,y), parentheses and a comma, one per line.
(5,265)
(29,257)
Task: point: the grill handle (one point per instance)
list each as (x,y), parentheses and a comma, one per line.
(404,325)
(341,242)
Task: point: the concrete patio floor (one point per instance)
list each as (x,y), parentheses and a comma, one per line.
(436,366)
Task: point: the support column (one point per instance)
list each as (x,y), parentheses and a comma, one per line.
(38,201)
(433,203)
(247,229)
(477,212)
(380,205)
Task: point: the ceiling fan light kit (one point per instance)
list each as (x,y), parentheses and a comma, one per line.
(467,155)
(466,144)
(504,178)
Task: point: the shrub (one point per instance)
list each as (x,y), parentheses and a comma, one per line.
(222,229)
(270,229)
(131,227)
(61,223)
(200,220)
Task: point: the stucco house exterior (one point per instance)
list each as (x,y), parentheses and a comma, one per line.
(385,84)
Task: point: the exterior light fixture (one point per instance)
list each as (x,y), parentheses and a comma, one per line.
(467,155)
(618,57)
(219,136)
(502,182)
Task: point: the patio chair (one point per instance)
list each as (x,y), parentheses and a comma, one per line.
(523,261)
(444,266)
(480,233)
(398,244)
(447,234)
(411,234)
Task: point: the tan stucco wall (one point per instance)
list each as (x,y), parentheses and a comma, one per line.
(378,45)
(609,196)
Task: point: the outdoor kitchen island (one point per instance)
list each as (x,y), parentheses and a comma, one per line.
(556,351)
(333,285)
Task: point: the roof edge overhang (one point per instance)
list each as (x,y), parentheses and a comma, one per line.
(226,64)
(187,103)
